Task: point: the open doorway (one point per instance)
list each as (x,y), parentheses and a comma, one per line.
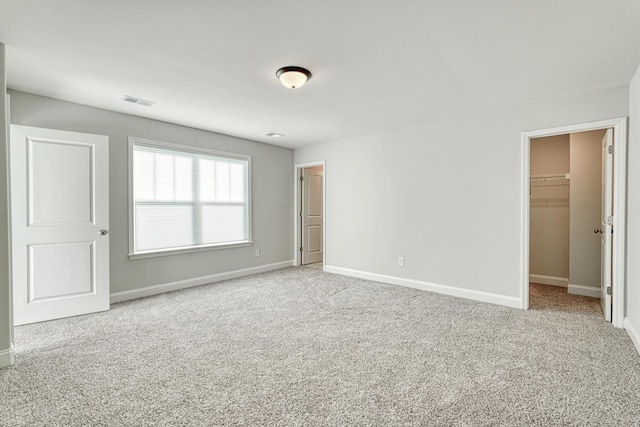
(565,215)
(573,222)
(310,215)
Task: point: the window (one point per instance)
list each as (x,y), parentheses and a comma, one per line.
(186,198)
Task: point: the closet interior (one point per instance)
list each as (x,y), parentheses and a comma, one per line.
(565,201)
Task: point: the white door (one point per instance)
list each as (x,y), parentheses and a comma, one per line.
(59,223)
(606,228)
(312,215)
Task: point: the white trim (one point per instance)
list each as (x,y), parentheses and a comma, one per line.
(196,281)
(296,209)
(587,291)
(549,280)
(525,209)
(189,249)
(133,140)
(619,263)
(7,357)
(633,334)
(620,140)
(9,235)
(578,127)
(488,297)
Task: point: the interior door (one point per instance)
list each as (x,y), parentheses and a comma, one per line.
(606,227)
(59,223)
(312,214)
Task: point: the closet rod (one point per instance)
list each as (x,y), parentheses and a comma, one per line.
(551,176)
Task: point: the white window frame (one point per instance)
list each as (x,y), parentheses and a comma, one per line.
(188,249)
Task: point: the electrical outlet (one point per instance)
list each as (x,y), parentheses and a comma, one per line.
(401,261)
(258,253)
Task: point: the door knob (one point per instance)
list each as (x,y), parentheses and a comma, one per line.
(597,230)
(104,232)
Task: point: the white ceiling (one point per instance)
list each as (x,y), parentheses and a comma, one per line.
(377,65)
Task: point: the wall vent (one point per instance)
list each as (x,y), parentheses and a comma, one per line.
(138,101)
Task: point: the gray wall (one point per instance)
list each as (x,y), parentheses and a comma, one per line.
(549,237)
(6,330)
(633,216)
(446,196)
(585,207)
(272,190)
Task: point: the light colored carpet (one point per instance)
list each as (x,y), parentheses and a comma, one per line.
(302,347)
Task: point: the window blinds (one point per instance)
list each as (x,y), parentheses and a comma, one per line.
(184,199)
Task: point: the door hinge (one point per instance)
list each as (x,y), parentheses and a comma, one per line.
(610,149)
(609,220)
(608,290)
(300,248)
(301,179)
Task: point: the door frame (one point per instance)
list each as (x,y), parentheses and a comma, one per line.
(618,264)
(11,356)
(297,259)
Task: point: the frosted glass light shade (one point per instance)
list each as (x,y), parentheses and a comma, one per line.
(293,77)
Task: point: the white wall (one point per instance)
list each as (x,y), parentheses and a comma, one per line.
(446,196)
(585,207)
(272,190)
(632,322)
(549,218)
(6,330)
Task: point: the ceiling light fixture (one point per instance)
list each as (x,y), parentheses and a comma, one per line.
(274,134)
(293,77)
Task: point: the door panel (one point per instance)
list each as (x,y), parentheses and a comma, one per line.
(60,270)
(606,226)
(314,202)
(67,198)
(314,239)
(312,211)
(59,204)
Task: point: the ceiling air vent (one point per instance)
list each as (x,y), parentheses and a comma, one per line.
(134,100)
(274,134)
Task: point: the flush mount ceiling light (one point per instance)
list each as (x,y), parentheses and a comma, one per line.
(293,77)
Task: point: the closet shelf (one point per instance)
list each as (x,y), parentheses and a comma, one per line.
(550,180)
(550,186)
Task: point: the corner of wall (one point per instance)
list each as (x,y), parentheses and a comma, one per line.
(633,333)
(632,320)
(7,357)
(6,327)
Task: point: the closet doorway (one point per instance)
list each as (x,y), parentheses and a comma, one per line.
(310,215)
(573,215)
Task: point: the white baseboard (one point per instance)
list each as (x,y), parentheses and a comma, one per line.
(431,287)
(196,281)
(633,333)
(7,357)
(549,280)
(586,291)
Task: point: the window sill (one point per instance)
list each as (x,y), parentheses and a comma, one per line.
(191,249)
